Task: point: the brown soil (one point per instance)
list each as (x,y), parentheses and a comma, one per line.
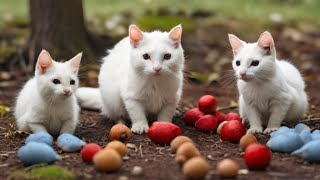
(157,161)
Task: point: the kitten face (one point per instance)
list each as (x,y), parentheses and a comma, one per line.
(57,80)
(253,61)
(156,53)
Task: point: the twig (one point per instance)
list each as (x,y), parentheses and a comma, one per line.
(226,108)
(310,119)
(140,148)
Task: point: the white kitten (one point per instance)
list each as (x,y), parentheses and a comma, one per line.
(143,74)
(271,91)
(47,101)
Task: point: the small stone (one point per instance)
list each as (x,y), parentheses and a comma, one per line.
(123,178)
(137,171)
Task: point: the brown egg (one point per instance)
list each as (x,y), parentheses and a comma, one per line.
(246,140)
(118,146)
(107,160)
(120,132)
(196,168)
(186,151)
(228,168)
(178,141)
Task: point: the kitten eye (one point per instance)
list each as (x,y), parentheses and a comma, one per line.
(255,63)
(238,63)
(56,81)
(167,56)
(146,56)
(72,82)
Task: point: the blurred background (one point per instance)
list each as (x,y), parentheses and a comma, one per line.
(65,28)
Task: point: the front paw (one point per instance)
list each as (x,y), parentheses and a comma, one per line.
(270,130)
(254,130)
(139,128)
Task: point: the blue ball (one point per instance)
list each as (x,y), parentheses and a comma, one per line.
(41,136)
(37,153)
(310,151)
(305,136)
(285,142)
(300,127)
(70,143)
(282,129)
(315,134)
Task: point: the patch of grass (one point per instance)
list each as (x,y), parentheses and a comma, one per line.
(291,10)
(165,23)
(45,172)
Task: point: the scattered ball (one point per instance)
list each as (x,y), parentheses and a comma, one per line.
(192,115)
(207,123)
(232,131)
(89,150)
(107,160)
(163,132)
(257,157)
(186,151)
(247,140)
(120,132)
(196,168)
(233,116)
(178,141)
(228,168)
(207,104)
(220,116)
(118,146)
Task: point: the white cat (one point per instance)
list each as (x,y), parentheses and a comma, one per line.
(47,101)
(143,74)
(271,91)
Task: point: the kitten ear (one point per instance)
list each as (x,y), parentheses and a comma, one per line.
(266,42)
(175,35)
(75,63)
(236,43)
(44,61)
(135,35)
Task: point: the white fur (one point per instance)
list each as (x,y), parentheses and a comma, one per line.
(89,98)
(271,92)
(131,88)
(43,105)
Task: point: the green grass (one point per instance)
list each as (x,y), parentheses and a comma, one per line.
(292,10)
(45,172)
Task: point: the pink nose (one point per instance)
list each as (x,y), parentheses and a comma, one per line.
(66,92)
(157,69)
(242,73)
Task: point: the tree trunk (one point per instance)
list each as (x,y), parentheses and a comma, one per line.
(58,27)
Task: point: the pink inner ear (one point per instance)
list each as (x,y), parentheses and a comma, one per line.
(75,62)
(175,35)
(135,35)
(265,41)
(236,43)
(44,61)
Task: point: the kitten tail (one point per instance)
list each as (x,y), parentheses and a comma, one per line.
(89,98)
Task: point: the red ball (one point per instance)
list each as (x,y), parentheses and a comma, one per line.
(220,116)
(257,157)
(192,116)
(233,116)
(89,150)
(232,131)
(207,104)
(207,123)
(163,132)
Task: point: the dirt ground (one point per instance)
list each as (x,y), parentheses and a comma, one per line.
(157,161)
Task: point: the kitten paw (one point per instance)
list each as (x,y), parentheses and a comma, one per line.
(254,130)
(270,130)
(139,128)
